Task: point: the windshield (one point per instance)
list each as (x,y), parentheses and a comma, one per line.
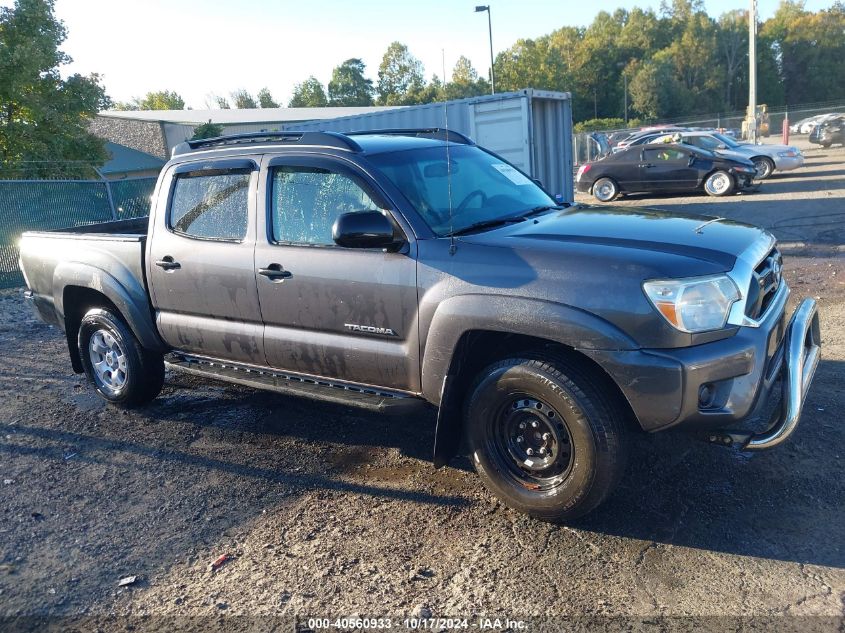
(483,187)
(727,140)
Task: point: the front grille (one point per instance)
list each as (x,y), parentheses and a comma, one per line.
(765,281)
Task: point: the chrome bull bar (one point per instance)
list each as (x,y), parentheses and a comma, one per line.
(802,351)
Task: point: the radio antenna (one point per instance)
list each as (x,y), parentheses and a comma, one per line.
(452,244)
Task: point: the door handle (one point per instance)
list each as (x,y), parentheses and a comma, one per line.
(275,273)
(167,263)
(646,165)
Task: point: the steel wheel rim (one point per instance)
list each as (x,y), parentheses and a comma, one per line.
(108,361)
(604,191)
(531,444)
(718,183)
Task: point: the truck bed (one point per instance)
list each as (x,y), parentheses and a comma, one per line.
(134,228)
(107,258)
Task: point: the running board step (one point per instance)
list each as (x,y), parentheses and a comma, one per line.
(351,394)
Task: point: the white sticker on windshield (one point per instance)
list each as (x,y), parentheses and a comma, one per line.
(516,177)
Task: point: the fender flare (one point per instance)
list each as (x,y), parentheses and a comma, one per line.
(537,318)
(122,289)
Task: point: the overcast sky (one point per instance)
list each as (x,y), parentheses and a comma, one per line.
(199,47)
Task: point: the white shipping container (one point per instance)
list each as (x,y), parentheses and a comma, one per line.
(530,128)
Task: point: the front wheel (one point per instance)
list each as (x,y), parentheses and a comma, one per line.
(123,373)
(719,183)
(605,190)
(543,438)
(764,167)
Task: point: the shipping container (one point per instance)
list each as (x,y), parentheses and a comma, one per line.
(530,128)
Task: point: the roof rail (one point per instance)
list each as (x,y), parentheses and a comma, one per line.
(325,139)
(440,133)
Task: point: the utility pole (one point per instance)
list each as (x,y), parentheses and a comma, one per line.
(751,117)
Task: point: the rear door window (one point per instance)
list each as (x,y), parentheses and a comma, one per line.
(211,205)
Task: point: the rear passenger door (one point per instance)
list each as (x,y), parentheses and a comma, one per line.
(200,260)
(333,312)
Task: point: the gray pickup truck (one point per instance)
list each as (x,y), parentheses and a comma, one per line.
(397,268)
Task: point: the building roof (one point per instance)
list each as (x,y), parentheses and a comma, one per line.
(125,159)
(247,115)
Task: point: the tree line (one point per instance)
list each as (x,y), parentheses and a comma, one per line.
(675,62)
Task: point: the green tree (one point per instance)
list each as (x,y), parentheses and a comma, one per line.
(222,103)
(655,91)
(42,116)
(162,100)
(732,36)
(810,51)
(207,130)
(243,100)
(265,99)
(400,76)
(465,81)
(309,94)
(348,86)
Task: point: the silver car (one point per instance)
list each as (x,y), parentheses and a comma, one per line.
(766,158)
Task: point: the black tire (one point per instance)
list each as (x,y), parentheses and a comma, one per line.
(719,183)
(765,166)
(605,189)
(131,375)
(566,405)
(827,145)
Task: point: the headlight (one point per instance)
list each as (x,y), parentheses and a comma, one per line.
(788,154)
(693,305)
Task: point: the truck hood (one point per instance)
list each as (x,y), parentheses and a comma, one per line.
(677,245)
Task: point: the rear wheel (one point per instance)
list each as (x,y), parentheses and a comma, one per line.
(605,190)
(764,167)
(123,373)
(719,183)
(543,438)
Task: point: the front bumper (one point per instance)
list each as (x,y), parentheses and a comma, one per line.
(788,163)
(718,385)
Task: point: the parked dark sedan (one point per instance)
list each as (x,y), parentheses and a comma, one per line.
(665,167)
(829,132)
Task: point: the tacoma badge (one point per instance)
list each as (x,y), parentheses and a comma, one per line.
(369,329)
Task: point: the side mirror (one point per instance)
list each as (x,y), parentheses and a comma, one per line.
(364,229)
(691,160)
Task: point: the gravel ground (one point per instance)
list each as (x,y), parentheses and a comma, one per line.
(329,511)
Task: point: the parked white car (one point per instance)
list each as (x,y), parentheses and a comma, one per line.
(806,126)
(766,158)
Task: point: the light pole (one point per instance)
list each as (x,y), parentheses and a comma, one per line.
(486,8)
(751,116)
(624,67)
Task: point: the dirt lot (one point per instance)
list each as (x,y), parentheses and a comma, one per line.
(328,511)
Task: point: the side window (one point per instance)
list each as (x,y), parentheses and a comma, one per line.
(211,205)
(665,154)
(307,200)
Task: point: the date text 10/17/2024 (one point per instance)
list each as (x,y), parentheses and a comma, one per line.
(414,624)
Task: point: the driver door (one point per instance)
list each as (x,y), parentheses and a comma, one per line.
(328,311)
(667,168)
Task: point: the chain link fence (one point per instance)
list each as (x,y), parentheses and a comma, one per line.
(587,147)
(40,205)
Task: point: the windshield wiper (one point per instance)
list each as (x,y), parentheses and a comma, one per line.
(486,224)
(541,209)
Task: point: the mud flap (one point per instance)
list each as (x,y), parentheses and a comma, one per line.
(447,435)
